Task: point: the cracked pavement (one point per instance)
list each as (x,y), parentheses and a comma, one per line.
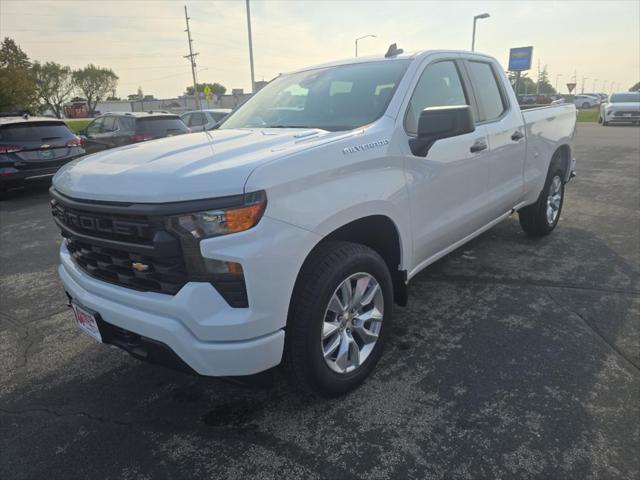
(516,358)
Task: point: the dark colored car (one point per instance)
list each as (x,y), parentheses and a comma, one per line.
(33,148)
(116,129)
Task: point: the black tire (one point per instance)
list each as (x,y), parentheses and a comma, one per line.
(326,268)
(600,120)
(533,218)
(605,124)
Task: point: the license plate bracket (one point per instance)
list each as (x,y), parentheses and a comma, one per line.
(86,319)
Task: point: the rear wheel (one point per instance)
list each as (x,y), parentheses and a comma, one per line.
(542,217)
(339,318)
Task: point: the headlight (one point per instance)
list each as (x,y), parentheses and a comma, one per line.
(213,223)
(226,277)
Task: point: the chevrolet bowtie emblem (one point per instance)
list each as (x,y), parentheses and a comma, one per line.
(46,145)
(140,267)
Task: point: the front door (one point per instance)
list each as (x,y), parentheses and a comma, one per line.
(448,187)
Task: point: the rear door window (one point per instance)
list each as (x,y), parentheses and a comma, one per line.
(218,116)
(162,126)
(37,132)
(197,119)
(487,90)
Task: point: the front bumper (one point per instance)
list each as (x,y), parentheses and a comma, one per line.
(20,176)
(622,119)
(197,324)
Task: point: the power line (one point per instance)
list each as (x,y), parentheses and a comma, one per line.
(145,17)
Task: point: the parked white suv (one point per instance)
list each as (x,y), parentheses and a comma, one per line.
(289,233)
(622,107)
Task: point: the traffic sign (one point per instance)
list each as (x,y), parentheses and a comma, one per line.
(520,59)
(571,86)
(207,92)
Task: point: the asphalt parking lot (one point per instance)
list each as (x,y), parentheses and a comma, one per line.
(516,358)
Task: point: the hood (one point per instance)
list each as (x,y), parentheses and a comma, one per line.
(185,167)
(625,105)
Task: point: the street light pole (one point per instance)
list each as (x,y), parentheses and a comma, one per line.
(253,80)
(360,38)
(583,80)
(473,35)
(558,75)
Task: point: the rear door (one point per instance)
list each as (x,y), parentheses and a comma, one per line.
(504,125)
(448,187)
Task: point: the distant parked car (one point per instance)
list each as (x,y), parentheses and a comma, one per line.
(200,120)
(123,128)
(586,101)
(34,148)
(621,107)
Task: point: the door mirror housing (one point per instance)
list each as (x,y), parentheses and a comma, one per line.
(436,123)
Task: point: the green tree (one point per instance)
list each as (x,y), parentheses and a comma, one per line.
(17,90)
(543,84)
(11,55)
(635,88)
(216,88)
(95,83)
(54,85)
(526,85)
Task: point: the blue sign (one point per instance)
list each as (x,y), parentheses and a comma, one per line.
(520,59)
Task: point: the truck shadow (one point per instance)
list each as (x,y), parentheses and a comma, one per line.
(512,360)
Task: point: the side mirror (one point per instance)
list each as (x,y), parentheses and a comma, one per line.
(436,123)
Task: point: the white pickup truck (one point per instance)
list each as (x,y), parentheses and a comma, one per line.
(287,235)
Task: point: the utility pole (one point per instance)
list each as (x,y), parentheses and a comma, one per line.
(192,59)
(538,82)
(253,80)
(583,80)
(558,75)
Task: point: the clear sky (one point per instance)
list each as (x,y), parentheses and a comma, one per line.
(144,41)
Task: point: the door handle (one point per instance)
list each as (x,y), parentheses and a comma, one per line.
(478,146)
(517,135)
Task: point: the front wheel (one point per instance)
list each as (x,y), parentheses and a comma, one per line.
(340,315)
(542,217)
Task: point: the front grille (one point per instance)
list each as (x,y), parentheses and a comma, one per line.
(128,228)
(163,275)
(633,113)
(129,245)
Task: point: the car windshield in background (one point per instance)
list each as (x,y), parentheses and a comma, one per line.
(625,98)
(35,132)
(162,126)
(332,98)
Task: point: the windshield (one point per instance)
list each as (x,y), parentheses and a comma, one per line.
(625,98)
(332,98)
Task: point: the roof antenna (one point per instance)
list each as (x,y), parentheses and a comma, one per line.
(393,51)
